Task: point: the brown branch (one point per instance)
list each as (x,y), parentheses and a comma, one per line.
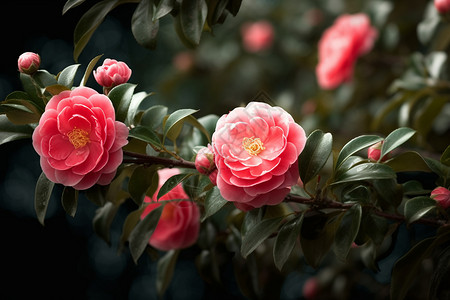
(137,158)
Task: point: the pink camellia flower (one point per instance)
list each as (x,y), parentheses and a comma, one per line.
(442,196)
(112,73)
(257,36)
(256,150)
(442,6)
(29,62)
(78,139)
(179,224)
(340,46)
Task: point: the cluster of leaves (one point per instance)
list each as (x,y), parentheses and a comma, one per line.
(191,18)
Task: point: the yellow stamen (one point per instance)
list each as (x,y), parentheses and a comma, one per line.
(253,146)
(78,137)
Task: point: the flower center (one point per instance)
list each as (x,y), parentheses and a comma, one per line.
(78,137)
(253,146)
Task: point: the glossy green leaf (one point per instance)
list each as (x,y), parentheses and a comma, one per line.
(172,182)
(145,134)
(43,78)
(418,207)
(424,118)
(347,231)
(121,96)
(153,116)
(20,112)
(196,124)
(71,4)
(285,241)
(140,181)
(175,118)
(213,203)
(129,224)
(67,76)
(395,139)
(141,234)
(315,154)
(165,269)
(366,171)
(10,132)
(408,161)
(89,69)
(89,22)
(143,27)
(258,234)
(56,89)
(355,145)
(445,157)
(192,18)
(136,102)
(104,216)
(405,270)
(33,90)
(69,200)
(163,8)
(43,192)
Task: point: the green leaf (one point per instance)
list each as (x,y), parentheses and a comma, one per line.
(395,139)
(347,231)
(143,27)
(426,115)
(445,157)
(355,145)
(128,225)
(174,119)
(417,207)
(258,234)
(71,4)
(56,89)
(136,101)
(42,194)
(141,179)
(314,155)
(153,117)
(194,122)
(104,216)
(20,112)
(43,78)
(405,270)
(10,132)
(171,183)
(121,96)
(408,161)
(192,18)
(365,171)
(164,7)
(213,202)
(141,234)
(285,241)
(67,75)
(33,90)
(145,134)
(165,269)
(89,69)
(69,200)
(89,22)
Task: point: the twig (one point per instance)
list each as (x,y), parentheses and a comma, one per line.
(137,158)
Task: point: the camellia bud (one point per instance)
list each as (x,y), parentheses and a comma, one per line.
(112,73)
(442,196)
(29,62)
(374,152)
(204,161)
(442,6)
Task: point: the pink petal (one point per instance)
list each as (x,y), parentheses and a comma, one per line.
(106,178)
(95,154)
(59,147)
(297,137)
(231,192)
(88,181)
(67,177)
(48,170)
(114,159)
(105,104)
(265,167)
(121,138)
(53,103)
(265,187)
(80,122)
(274,144)
(77,156)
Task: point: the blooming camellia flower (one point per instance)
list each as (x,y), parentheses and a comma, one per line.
(442,196)
(78,139)
(339,47)
(112,73)
(442,6)
(179,224)
(256,150)
(257,36)
(29,62)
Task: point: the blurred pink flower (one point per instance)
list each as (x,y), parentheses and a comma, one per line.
(179,224)
(256,150)
(340,46)
(78,139)
(29,62)
(442,6)
(374,152)
(442,196)
(112,73)
(257,36)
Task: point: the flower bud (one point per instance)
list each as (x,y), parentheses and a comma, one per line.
(442,6)
(29,62)
(311,289)
(374,152)
(204,161)
(112,73)
(442,196)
